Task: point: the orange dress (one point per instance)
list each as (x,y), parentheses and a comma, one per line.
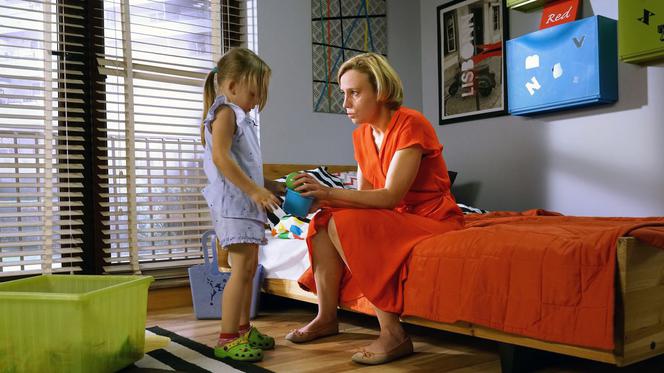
(377,243)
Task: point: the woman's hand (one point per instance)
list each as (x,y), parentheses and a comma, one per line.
(277,188)
(264,198)
(317,204)
(307,186)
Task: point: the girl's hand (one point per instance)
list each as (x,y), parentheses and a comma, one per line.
(265,199)
(307,186)
(277,188)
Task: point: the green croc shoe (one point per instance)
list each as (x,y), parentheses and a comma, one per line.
(259,340)
(239,349)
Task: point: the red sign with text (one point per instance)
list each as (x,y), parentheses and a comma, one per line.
(559,12)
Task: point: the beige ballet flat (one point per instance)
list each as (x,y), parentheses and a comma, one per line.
(371,358)
(299,336)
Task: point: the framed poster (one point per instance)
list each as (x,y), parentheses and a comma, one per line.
(471,60)
(342,29)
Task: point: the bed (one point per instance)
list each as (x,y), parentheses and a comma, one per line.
(628,291)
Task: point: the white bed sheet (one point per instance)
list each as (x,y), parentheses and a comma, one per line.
(283,259)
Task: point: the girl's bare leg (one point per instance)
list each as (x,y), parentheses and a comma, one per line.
(233,299)
(248,292)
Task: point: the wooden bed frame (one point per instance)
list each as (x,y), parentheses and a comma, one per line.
(639,312)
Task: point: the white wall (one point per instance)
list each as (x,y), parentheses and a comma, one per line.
(290,131)
(605,161)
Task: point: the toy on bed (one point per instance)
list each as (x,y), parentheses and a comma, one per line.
(321,175)
(295,203)
(290,227)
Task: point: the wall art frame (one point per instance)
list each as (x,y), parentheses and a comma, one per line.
(471,60)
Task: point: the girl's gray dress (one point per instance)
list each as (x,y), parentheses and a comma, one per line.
(236,218)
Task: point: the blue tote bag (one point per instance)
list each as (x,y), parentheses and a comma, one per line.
(208,283)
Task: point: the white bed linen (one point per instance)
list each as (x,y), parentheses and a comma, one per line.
(284,259)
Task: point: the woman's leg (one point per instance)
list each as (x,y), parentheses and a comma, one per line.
(391,335)
(233,298)
(328,262)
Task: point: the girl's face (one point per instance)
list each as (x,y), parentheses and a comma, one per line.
(243,95)
(360,98)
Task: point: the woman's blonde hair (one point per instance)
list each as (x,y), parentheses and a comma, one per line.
(241,65)
(383,78)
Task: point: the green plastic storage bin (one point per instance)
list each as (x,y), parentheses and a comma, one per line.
(640,30)
(72,323)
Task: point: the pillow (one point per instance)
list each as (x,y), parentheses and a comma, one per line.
(348,179)
(322,176)
(452,175)
(471,210)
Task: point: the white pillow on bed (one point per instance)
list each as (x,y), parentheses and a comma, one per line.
(470,209)
(348,178)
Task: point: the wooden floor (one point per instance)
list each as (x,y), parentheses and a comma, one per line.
(436,351)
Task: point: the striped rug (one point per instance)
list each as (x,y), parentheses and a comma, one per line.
(185,355)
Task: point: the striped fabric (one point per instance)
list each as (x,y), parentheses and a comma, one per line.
(471,210)
(323,176)
(185,355)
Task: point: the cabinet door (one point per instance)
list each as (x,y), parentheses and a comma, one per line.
(555,68)
(641,30)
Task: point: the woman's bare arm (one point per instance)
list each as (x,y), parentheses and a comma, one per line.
(400,176)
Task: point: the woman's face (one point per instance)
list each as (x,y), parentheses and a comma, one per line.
(360,98)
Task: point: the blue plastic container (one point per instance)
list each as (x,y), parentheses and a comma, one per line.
(297,205)
(208,283)
(570,65)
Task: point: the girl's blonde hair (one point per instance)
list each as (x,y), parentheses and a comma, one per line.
(241,65)
(384,80)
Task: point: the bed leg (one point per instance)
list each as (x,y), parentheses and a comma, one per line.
(519,359)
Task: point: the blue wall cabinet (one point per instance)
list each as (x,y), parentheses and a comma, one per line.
(562,67)
(641,30)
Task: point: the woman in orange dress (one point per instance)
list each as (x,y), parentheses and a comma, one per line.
(360,242)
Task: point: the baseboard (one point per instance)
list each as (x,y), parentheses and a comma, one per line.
(173,297)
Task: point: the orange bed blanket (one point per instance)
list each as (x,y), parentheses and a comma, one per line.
(534,273)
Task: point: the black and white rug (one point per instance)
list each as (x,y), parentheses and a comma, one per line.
(185,355)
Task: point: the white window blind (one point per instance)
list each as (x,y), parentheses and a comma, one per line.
(40,139)
(156,56)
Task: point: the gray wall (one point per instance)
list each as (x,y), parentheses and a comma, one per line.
(290,131)
(605,161)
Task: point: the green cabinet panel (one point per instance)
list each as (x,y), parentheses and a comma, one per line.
(525,5)
(640,30)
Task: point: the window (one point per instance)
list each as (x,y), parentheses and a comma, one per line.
(156,55)
(149,58)
(41,125)
(450,32)
(495,11)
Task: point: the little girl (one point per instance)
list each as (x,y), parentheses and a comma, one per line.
(235,193)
